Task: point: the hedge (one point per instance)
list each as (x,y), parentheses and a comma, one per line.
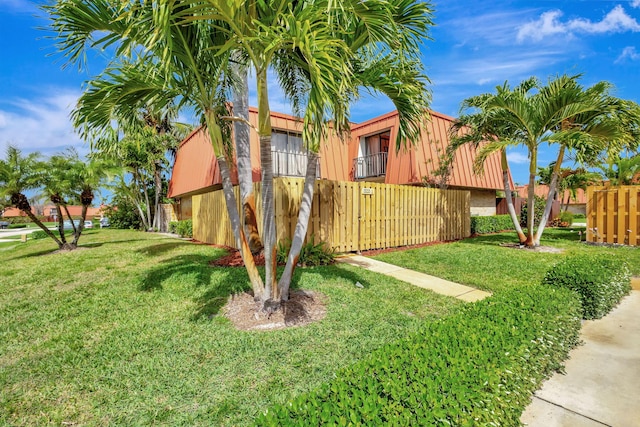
(490,224)
(40,234)
(600,281)
(477,367)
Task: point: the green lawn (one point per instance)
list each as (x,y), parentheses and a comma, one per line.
(125,332)
(481,262)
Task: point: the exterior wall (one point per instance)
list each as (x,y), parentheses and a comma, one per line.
(577,209)
(483,202)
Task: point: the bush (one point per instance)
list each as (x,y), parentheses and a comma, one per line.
(579,216)
(36,235)
(185,228)
(14,226)
(600,281)
(567,217)
(19,220)
(538,211)
(124,216)
(477,367)
(311,254)
(173,227)
(490,224)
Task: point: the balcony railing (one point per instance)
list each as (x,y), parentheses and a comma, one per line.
(370,166)
(291,164)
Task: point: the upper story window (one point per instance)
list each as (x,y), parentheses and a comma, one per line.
(286,142)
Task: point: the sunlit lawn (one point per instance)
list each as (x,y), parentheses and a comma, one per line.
(483,263)
(127,332)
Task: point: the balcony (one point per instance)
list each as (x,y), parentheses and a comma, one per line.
(370,166)
(291,164)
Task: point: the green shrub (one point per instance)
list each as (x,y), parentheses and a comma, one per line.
(36,235)
(311,254)
(566,218)
(538,208)
(490,224)
(19,220)
(173,227)
(600,281)
(185,228)
(579,216)
(13,226)
(477,367)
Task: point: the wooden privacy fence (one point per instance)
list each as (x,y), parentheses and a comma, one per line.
(613,215)
(349,216)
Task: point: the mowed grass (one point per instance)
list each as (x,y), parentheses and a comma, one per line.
(127,332)
(481,261)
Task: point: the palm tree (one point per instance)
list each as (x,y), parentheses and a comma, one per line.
(561,113)
(18,174)
(190,46)
(622,170)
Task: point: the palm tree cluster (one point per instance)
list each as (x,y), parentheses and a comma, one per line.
(589,123)
(64,179)
(195,54)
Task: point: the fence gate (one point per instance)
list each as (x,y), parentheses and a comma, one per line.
(613,215)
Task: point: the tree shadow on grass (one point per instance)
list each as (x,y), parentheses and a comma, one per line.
(219,283)
(161,248)
(492,239)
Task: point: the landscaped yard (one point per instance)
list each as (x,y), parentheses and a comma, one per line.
(481,262)
(126,333)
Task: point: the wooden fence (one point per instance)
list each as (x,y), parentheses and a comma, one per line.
(349,216)
(613,215)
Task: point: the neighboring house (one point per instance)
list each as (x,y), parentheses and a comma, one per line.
(368,154)
(568,203)
(51,213)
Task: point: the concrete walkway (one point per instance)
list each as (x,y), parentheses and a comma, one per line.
(435,284)
(602,382)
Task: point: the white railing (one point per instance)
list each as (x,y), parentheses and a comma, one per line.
(291,164)
(370,166)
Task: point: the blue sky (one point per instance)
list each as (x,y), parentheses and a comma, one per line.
(475,46)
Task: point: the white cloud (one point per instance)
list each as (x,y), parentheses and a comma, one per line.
(41,123)
(549,24)
(628,52)
(517,158)
(635,3)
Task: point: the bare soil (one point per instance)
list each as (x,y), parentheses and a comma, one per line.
(303,308)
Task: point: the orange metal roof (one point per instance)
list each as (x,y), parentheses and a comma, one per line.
(196,169)
(409,165)
(543,190)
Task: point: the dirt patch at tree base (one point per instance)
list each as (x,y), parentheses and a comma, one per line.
(545,249)
(303,308)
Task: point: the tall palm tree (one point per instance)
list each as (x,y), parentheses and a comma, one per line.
(191,45)
(621,170)
(20,173)
(561,113)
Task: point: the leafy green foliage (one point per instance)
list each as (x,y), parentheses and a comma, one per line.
(123,214)
(37,235)
(464,370)
(173,227)
(14,226)
(185,228)
(311,255)
(538,209)
(600,281)
(490,224)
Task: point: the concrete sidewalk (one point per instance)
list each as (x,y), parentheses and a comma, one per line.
(435,284)
(602,382)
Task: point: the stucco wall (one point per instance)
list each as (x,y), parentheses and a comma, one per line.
(483,202)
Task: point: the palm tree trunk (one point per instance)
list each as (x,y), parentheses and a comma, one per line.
(157,215)
(301,226)
(73,224)
(232,209)
(531,199)
(243,159)
(509,198)
(271,292)
(63,237)
(21,202)
(77,235)
(136,200)
(551,196)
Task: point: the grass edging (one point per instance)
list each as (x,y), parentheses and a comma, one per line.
(476,367)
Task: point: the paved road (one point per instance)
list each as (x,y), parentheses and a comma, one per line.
(17,232)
